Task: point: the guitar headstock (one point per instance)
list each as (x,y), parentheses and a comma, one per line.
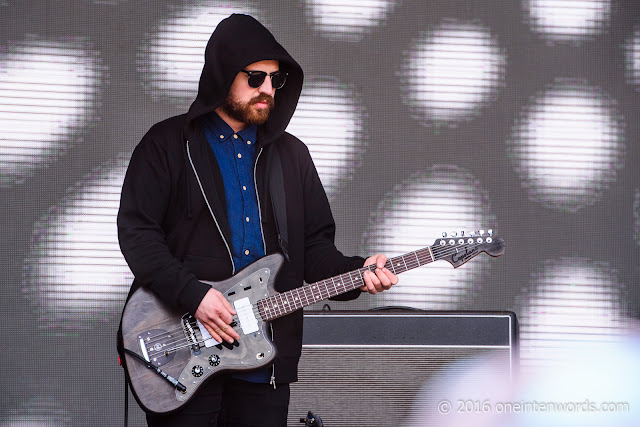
(459,247)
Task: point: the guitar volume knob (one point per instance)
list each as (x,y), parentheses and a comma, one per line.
(214,360)
(197,371)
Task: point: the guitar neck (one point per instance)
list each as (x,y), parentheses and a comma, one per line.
(282,304)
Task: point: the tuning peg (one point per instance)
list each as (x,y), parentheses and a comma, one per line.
(444,234)
(454,234)
(481,232)
(490,231)
(461,233)
(472,233)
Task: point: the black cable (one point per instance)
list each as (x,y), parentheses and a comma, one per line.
(177,384)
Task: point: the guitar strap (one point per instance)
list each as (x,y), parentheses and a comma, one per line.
(278,200)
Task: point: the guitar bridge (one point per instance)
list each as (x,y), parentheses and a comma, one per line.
(190,332)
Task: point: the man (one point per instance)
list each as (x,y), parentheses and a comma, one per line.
(196,205)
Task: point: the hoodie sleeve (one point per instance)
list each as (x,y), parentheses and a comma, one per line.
(143,204)
(322,258)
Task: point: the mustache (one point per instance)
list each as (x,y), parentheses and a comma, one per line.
(263,97)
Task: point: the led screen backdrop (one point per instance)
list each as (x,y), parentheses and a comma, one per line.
(423,117)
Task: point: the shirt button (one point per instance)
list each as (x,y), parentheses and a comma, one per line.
(248,142)
(246,252)
(221,136)
(235,136)
(244,187)
(247,218)
(239,155)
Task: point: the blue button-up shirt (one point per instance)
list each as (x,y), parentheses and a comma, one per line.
(236,155)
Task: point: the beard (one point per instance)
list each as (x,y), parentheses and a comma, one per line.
(245,112)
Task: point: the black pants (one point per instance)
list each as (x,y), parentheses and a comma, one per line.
(229,402)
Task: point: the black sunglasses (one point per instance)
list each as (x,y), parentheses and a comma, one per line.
(256,78)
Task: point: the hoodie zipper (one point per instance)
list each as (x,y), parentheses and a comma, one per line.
(272,381)
(233,267)
(273,367)
(255,184)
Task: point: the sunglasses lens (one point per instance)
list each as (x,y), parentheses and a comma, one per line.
(256,78)
(278,79)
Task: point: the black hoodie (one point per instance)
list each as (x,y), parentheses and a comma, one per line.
(172,222)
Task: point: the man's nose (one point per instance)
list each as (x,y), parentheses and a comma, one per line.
(266,86)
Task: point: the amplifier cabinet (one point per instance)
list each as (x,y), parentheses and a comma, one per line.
(365,368)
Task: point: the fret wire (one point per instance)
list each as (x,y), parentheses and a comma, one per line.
(335,287)
(309,294)
(260,311)
(280,305)
(321,288)
(294,300)
(299,301)
(268,307)
(421,256)
(356,280)
(393,270)
(405,263)
(313,295)
(326,288)
(276,305)
(411,262)
(351,280)
(312,292)
(319,291)
(287,302)
(427,251)
(430,254)
(394,262)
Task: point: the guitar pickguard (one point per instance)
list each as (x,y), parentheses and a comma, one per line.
(253,349)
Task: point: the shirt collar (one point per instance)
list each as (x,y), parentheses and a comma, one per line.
(223,131)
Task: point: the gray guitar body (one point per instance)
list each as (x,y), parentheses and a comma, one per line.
(172,340)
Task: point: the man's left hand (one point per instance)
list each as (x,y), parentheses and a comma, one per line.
(380,280)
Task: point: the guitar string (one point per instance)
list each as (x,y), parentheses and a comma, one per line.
(323,283)
(185,342)
(412,264)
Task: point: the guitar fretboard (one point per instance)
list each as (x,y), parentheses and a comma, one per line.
(287,302)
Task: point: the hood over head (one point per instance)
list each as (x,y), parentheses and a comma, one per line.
(238,41)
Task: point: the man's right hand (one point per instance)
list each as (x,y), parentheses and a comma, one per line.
(216,314)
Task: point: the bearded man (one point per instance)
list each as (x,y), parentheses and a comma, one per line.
(196,205)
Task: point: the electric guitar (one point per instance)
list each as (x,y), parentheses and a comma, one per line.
(168,354)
